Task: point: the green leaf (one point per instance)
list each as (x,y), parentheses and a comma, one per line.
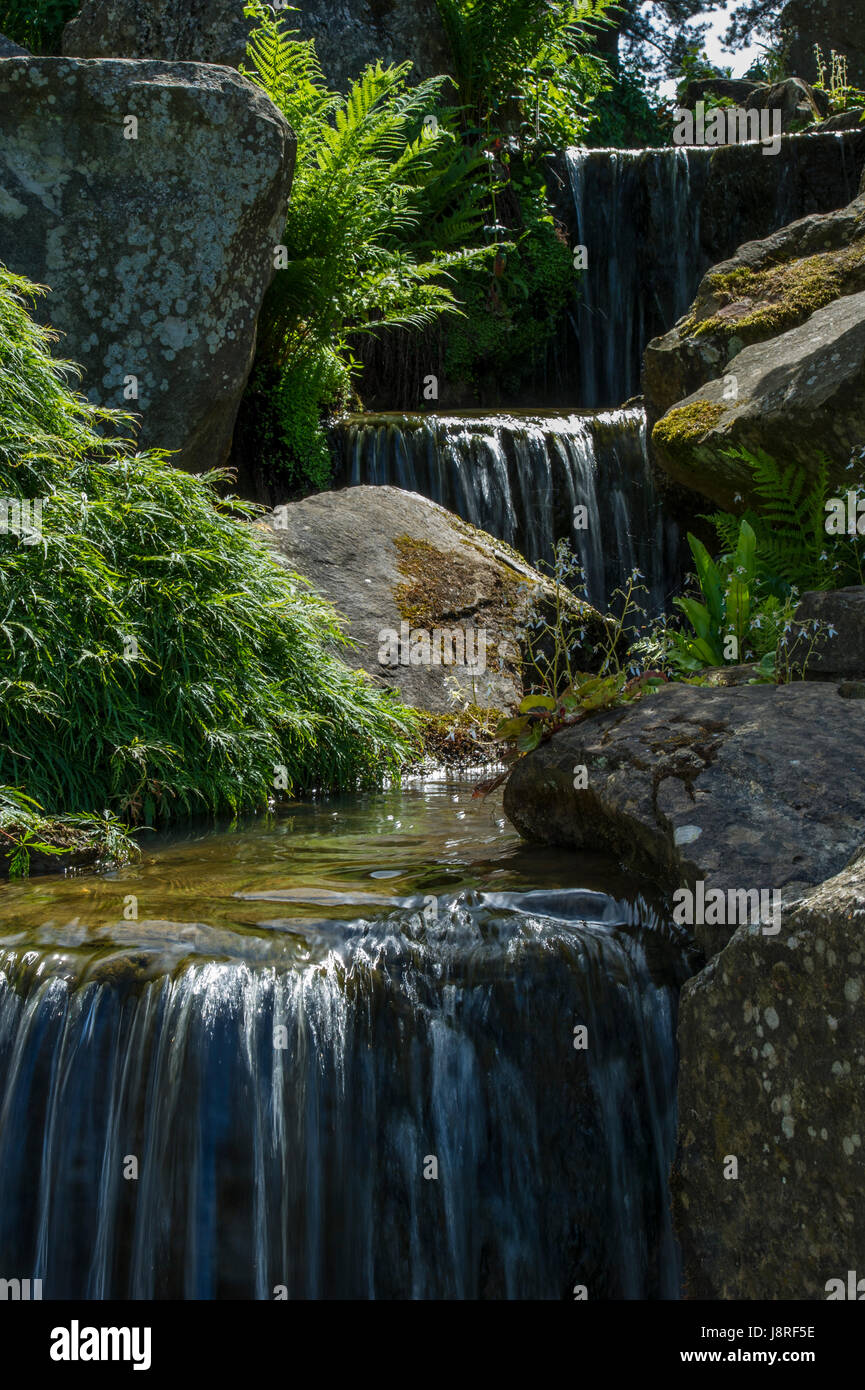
(697,614)
(536,702)
(529,741)
(709,578)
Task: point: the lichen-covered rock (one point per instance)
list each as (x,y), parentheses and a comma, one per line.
(753,787)
(394,563)
(174,31)
(148,198)
(771,356)
(348,36)
(768,1178)
(796,396)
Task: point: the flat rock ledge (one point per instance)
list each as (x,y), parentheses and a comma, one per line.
(746,787)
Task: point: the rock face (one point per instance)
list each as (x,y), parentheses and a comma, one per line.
(838,24)
(772,1073)
(842,657)
(771,355)
(750,787)
(185,31)
(386,558)
(348,35)
(157,249)
(796,100)
(8,49)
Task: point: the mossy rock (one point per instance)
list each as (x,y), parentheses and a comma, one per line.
(395,564)
(771,357)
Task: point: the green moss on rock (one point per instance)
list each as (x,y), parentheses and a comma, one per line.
(686,425)
(757,304)
(448,587)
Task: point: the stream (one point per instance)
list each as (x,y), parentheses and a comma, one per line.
(336,1054)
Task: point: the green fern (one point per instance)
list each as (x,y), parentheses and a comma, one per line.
(793,549)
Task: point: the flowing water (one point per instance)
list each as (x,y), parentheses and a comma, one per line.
(337,1048)
(522,479)
(654,221)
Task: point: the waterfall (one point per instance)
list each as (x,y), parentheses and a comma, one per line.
(391,1108)
(654,221)
(522,480)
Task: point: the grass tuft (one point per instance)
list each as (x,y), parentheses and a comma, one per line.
(156,660)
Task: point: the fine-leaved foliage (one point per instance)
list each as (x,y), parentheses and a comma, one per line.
(155,659)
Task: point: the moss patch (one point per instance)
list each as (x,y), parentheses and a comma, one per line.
(758,304)
(445,588)
(686,425)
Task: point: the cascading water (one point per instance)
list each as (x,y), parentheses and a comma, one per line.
(301,1165)
(654,221)
(354,1072)
(523,478)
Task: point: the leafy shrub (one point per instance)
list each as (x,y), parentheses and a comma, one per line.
(380,206)
(732,624)
(36,24)
(155,658)
(25,830)
(512,318)
(524,65)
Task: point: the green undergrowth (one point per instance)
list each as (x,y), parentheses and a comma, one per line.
(36,25)
(28,837)
(156,660)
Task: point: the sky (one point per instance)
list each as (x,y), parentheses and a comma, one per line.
(741,61)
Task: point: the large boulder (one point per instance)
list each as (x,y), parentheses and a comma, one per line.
(348,36)
(843,120)
(771,355)
(157,249)
(174,31)
(8,49)
(394,563)
(772,1078)
(833,24)
(796,101)
(753,787)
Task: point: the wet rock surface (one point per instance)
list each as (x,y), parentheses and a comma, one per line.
(750,787)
